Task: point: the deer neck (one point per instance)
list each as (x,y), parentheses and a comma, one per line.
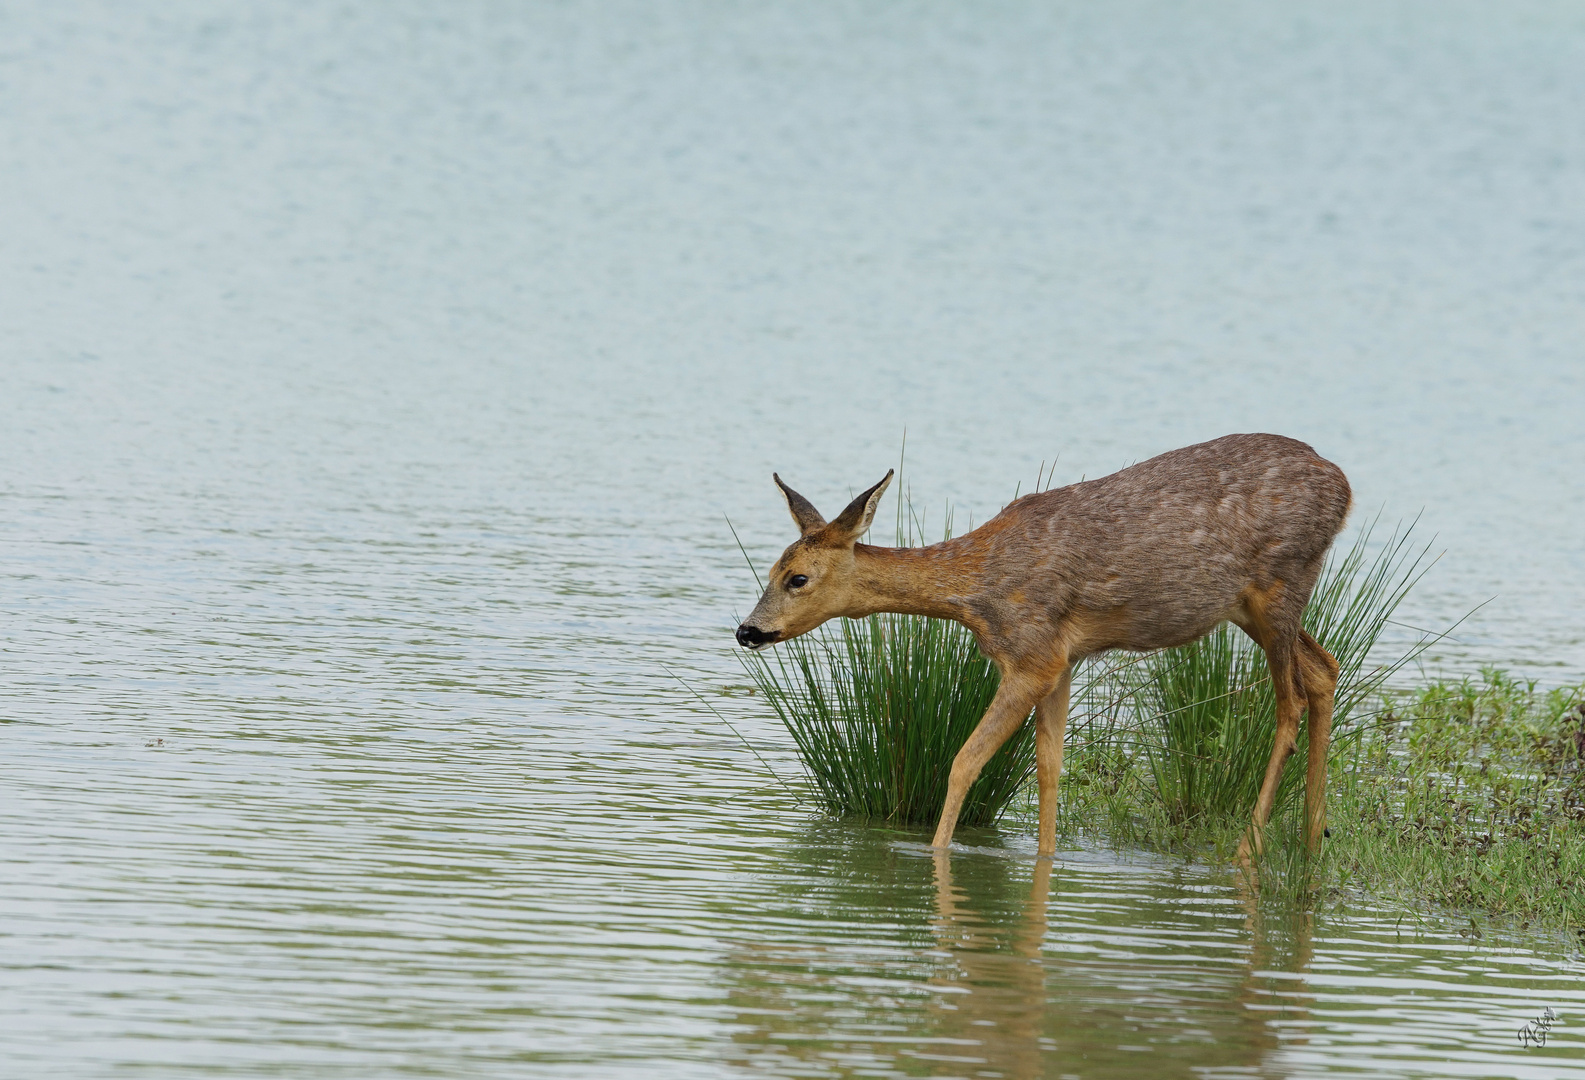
(929,581)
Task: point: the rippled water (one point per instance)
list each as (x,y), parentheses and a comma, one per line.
(375,380)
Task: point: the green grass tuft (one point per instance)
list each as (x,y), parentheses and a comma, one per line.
(878,708)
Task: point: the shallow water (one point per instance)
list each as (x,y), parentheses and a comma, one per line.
(376,380)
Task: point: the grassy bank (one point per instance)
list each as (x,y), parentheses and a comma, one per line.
(1467,794)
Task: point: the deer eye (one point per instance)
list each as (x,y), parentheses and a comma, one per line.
(797,581)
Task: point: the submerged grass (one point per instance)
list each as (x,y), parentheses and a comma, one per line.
(1466,794)
(1471,794)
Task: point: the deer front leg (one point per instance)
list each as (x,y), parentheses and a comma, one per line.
(1051,726)
(1008,710)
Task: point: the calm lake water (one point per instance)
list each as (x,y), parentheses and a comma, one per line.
(376,381)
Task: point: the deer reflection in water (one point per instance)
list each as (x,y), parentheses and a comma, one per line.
(961,966)
(1008,1007)
(1281,948)
(992,989)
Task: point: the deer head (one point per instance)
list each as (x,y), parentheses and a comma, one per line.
(812,581)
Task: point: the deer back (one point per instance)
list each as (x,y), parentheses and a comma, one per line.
(1158,553)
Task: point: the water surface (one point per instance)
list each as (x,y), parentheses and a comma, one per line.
(375,381)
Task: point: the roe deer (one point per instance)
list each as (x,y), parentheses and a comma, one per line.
(1153,556)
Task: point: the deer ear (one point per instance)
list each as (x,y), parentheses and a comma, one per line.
(803,511)
(851,523)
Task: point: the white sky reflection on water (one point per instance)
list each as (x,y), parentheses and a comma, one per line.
(373,384)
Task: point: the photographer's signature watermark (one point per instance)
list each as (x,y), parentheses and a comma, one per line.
(1535,1032)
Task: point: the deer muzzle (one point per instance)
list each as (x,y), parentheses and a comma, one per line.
(752,637)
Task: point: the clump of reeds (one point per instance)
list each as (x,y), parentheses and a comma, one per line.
(879,707)
(1168,750)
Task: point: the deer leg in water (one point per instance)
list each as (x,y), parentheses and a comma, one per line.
(1009,709)
(1290,704)
(1051,725)
(1320,687)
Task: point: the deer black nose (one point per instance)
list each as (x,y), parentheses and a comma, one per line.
(750,636)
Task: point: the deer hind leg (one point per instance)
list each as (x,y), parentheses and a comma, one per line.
(1320,686)
(1051,725)
(1285,679)
(1009,709)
